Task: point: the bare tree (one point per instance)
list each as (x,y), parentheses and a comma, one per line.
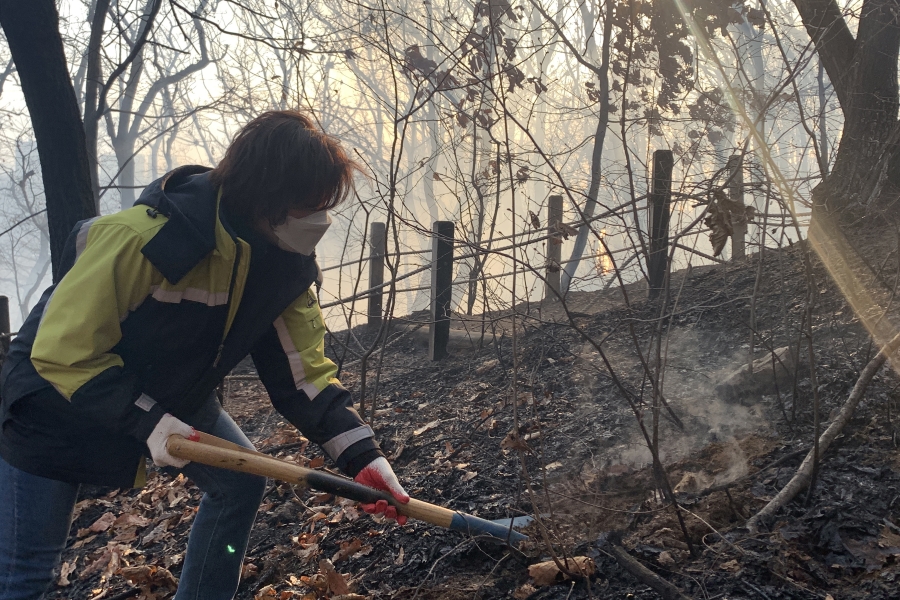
(863,71)
(32,31)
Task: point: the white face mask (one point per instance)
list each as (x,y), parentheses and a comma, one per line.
(301,235)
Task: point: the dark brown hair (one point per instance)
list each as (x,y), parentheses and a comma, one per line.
(281,161)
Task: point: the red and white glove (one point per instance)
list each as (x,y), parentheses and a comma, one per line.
(156,443)
(378,474)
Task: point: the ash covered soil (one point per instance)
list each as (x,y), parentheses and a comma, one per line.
(553,434)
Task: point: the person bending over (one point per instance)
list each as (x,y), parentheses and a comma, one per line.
(156,305)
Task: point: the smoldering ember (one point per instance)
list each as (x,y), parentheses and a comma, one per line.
(406,300)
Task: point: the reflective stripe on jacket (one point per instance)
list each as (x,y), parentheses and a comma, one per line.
(158,303)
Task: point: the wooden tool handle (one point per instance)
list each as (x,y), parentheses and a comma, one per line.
(425,511)
(211,440)
(216,452)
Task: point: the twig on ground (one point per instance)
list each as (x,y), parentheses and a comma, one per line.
(804,474)
(662,587)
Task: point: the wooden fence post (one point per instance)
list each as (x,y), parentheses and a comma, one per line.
(4,328)
(554,247)
(735,168)
(660,196)
(441,288)
(377,251)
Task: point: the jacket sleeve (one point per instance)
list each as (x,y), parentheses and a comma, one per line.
(80,326)
(291,362)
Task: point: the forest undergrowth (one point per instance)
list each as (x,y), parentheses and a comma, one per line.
(549,433)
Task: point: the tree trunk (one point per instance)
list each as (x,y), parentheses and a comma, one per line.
(863,72)
(125,157)
(32,31)
(93,84)
(584,230)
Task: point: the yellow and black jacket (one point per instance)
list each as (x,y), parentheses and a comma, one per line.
(158,303)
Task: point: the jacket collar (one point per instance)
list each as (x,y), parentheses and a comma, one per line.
(187,197)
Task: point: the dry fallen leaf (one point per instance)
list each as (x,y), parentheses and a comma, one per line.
(336,582)
(103,523)
(65,570)
(318,582)
(524,591)
(249,570)
(126,535)
(128,520)
(161,531)
(731,566)
(317,462)
(79,507)
(347,550)
(513,441)
(307,554)
(351,513)
(266,592)
(305,540)
(665,559)
(85,541)
(108,561)
(146,576)
(487,366)
(547,573)
(427,427)
(172,560)
(889,539)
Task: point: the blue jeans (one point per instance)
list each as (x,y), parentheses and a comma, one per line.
(36,514)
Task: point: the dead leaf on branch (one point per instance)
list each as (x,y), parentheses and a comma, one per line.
(416,62)
(564,229)
(723,214)
(719,223)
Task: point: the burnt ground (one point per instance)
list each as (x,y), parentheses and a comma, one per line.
(578,461)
